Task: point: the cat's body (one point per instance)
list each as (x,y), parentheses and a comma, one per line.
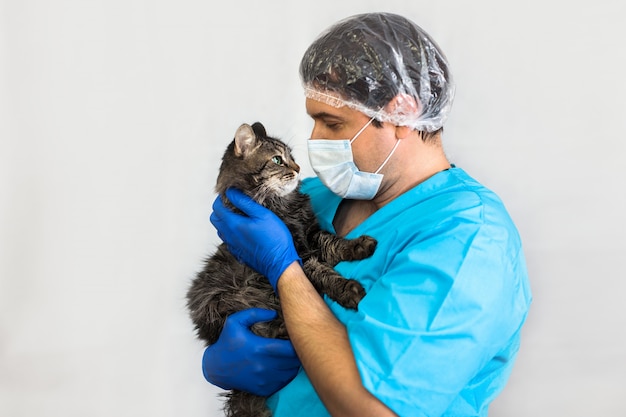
(263,168)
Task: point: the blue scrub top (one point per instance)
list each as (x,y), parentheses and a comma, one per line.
(447,293)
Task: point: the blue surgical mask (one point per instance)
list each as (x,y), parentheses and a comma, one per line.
(333,163)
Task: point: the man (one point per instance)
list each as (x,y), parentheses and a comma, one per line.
(446,290)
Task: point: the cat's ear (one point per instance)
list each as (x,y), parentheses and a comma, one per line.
(259,130)
(245,140)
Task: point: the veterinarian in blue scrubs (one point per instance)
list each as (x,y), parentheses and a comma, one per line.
(447,290)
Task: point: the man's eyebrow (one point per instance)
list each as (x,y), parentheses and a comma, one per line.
(324,115)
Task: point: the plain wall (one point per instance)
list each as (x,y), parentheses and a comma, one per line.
(114,116)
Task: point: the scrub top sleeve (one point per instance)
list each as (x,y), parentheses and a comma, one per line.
(444,308)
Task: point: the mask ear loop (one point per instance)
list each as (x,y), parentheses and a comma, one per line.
(362,129)
(389,156)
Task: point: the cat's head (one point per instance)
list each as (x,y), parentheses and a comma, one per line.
(259,165)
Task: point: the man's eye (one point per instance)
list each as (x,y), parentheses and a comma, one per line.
(278,160)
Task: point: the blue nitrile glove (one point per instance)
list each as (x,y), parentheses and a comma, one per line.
(257,238)
(244,361)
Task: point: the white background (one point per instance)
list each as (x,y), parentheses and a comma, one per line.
(114,115)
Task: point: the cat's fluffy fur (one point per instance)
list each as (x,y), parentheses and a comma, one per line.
(263,168)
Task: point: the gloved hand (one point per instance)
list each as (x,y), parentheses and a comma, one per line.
(259,238)
(247,362)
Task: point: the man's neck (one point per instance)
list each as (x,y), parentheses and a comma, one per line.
(416,162)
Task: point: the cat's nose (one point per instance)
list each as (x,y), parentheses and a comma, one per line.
(296,167)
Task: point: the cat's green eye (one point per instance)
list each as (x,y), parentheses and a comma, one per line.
(278,160)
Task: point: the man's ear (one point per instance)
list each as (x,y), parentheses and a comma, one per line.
(406,107)
(402,132)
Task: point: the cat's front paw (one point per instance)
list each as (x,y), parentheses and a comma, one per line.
(353,292)
(363,247)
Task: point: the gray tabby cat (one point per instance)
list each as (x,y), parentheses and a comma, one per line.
(263,168)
